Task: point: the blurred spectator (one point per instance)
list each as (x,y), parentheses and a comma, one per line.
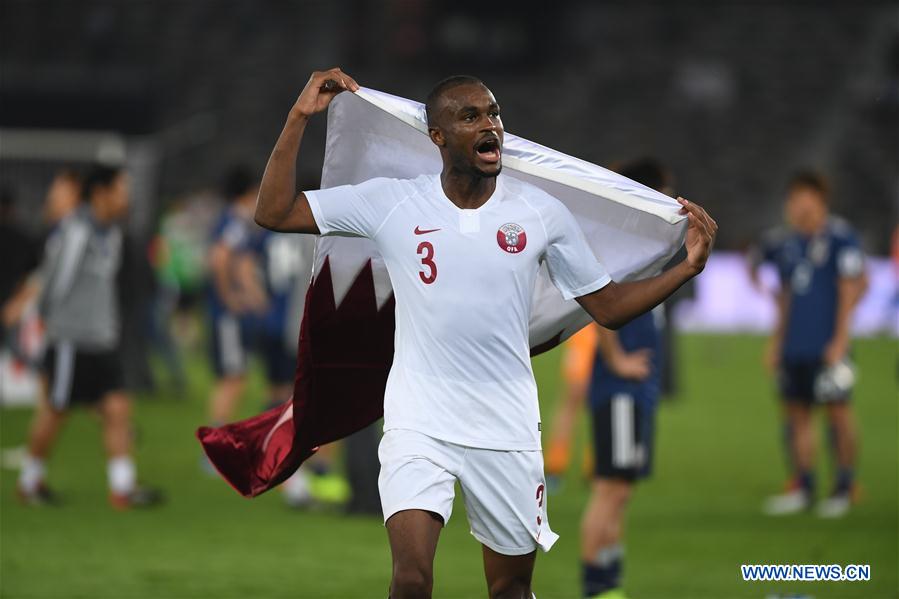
(822,274)
(83,363)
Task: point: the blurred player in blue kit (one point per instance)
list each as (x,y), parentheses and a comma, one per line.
(822,273)
(234,293)
(280,264)
(254,274)
(624,391)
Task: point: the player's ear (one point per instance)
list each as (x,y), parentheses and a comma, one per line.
(436,136)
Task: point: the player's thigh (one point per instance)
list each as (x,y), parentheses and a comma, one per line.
(505,500)
(799,413)
(616,492)
(796,379)
(507,573)
(115,406)
(839,413)
(413,536)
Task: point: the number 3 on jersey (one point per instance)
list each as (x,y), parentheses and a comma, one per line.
(426,251)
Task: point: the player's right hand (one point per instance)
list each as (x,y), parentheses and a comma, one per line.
(321,88)
(635,366)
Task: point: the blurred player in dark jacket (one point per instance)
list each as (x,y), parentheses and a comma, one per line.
(78,301)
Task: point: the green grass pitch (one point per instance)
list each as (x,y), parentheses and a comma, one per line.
(689,529)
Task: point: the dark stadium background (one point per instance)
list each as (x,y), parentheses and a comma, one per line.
(732,95)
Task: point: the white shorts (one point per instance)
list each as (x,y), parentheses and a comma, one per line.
(504,491)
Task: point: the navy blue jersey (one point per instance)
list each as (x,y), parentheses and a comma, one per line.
(810,269)
(644,332)
(236,232)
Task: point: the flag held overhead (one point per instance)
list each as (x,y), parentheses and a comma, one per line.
(346,339)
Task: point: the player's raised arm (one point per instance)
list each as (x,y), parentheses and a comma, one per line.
(617,303)
(279,206)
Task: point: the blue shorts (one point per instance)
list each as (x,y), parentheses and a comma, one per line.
(280,363)
(797,380)
(623,435)
(230,345)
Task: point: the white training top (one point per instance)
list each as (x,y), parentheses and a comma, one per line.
(463,282)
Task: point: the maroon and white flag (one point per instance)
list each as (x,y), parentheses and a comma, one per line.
(346,337)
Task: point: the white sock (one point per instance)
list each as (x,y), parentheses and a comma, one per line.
(296,488)
(32,473)
(122,475)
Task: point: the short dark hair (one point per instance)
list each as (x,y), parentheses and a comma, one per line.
(810,179)
(99,175)
(442,87)
(648,171)
(238,180)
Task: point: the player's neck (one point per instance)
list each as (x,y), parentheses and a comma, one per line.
(465,190)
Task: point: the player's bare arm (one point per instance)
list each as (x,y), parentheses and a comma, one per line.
(220,260)
(635,366)
(618,303)
(27,293)
(775,342)
(849,291)
(279,207)
(247,278)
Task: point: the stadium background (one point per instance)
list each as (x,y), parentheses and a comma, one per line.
(733,96)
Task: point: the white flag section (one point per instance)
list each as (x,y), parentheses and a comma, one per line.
(633,230)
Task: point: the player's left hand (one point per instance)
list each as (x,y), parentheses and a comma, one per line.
(835,351)
(700,235)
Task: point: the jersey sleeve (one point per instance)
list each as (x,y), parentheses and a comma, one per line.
(233,233)
(573,268)
(850,258)
(354,210)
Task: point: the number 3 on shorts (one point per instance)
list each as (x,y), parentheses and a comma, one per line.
(426,251)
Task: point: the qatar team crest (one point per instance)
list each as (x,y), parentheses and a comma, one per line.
(511,238)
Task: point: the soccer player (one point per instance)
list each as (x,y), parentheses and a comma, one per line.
(234,293)
(275,259)
(624,392)
(81,312)
(822,273)
(463,249)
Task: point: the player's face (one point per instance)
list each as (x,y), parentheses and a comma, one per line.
(805,209)
(471,130)
(116,198)
(62,197)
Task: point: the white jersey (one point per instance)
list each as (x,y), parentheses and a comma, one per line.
(463,282)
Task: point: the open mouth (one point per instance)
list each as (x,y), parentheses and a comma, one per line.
(488,150)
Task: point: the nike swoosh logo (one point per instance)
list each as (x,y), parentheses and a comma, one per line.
(423,231)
